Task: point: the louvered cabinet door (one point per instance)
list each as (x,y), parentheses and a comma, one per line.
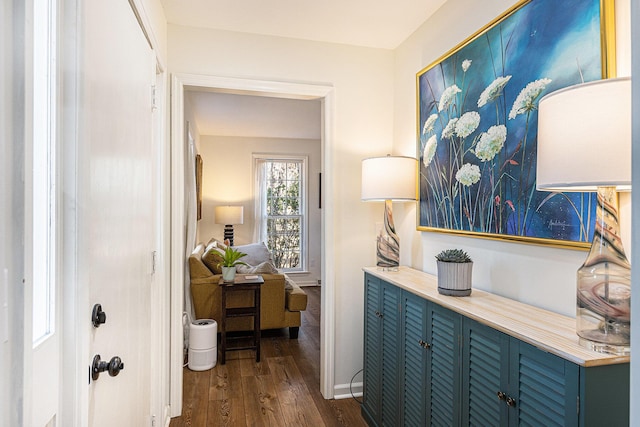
(444,386)
(372,378)
(391,355)
(414,367)
(466,373)
(544,386)
(485,373)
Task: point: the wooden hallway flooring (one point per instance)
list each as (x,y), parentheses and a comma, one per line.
(283,389)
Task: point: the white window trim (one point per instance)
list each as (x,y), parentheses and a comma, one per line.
(275,157)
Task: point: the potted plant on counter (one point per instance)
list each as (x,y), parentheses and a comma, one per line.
(454,272)
(230,259)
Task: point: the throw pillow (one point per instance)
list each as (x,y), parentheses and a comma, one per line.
(212,259)
(214,241)
(264,268)
(257,253)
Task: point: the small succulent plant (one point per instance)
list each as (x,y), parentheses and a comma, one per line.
(453,255)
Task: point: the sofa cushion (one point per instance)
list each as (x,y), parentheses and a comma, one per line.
(257,253)
(263,267)
(212,258)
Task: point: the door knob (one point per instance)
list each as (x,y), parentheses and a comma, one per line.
(98,317)
(113,367)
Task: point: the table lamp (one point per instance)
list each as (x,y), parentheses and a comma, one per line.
(584,144)
(388,179)
(229,215)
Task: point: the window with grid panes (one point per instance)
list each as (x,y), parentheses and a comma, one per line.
(280,202)
(285,212)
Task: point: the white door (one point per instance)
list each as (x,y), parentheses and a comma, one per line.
(116,219)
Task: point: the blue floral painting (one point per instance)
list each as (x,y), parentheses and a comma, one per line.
(477,125)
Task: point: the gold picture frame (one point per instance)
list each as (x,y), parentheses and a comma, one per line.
(477,123)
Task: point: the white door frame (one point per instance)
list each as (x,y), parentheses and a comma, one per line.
(178,236)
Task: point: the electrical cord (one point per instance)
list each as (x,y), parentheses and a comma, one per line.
(351,389)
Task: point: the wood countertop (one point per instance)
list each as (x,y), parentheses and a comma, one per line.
(546,330)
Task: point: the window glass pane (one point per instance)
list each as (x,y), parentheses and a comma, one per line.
(44,169)
(284,241)
(284,208)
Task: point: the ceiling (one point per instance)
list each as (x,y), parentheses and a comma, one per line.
(379,23)
(225,114)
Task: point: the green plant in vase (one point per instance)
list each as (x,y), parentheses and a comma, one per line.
(230,258)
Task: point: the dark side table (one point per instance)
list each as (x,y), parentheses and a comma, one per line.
(242,282)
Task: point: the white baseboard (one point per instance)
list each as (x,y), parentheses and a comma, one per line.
(343,391)
(167,415)
(307,283)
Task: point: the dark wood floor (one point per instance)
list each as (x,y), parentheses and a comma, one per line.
(283,389)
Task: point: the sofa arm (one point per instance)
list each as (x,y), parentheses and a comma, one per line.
(205,295)
(296,298)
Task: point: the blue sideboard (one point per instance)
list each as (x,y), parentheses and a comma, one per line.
(480,360)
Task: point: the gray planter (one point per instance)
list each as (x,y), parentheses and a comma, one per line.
(454,278)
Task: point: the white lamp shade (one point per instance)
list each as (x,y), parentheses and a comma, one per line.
(229,215)
(584,137)
(389,178)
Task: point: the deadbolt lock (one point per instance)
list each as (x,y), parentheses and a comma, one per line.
(98,317)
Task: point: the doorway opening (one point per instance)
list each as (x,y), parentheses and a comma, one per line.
(181,83)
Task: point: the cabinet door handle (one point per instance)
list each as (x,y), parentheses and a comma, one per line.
(424,344)
(511,401)
(501,395)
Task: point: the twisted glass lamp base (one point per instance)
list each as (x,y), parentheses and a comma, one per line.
(604,284)
(388,245)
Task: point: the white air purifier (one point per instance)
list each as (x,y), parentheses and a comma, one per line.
(203,344)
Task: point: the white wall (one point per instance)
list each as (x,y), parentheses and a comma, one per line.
(228,179)
(363,81)
(12,121)
(542,276)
